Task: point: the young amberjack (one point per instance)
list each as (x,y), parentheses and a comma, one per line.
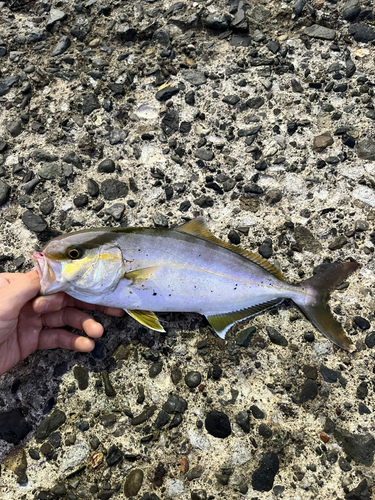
(185,269)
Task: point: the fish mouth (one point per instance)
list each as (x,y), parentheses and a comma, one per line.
(48,279)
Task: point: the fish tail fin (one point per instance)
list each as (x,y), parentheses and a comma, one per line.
(316,308)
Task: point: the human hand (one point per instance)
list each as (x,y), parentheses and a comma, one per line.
(28,323)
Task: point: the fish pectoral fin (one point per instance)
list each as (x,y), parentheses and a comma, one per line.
(222,322)
(141,274)
(146,318)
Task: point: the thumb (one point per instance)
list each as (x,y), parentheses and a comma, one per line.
(21,289)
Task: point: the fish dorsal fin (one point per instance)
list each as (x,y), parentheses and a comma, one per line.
(146,318)
(198,227)
(222,322)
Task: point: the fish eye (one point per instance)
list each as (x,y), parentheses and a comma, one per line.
(74,253)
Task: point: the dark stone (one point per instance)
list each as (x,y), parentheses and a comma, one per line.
(175,404)
(255,102)
(81,200)
(83,426)
(361,492)
(296,86)
(344,465)
(90,103)
(34,222)
(193,379)
(234,237)
(362,323)
(329,376)
(359,447)
(144,416)
(170,122)
(361,32)
(92,188)
(204,154)
(115,455)
(106,166)
(305,239)
(363,410)
(50,424)
(231,99)
(257,412)
(113,189)
(81,28)
(15,128)
(276,337)
(362,390)
(217,22)
(265,431)
(350,68)
(309,391)
(161,420)
(244,337)
(243,420)
(108,420)
(133,482)
(46,207)
(350,10)
(13,426)
(190,98)
(265,249)
(176,420)
(366,149)
(185,127)
(108,387)
(273,46)
(4,193)
(194,77)
(55,439)
(155,369)
(81,374)
(167,93)
(320,32)
(71,157)
(204,201)
(263,477)
(62,45)
(195,473)
(216,372)
(273,196)
(298,6)
(217,424)
(370,340)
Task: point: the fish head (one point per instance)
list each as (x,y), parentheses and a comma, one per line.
(87,263)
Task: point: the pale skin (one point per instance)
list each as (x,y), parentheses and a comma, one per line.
(29,322)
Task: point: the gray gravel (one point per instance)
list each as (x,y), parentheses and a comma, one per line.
(260,117)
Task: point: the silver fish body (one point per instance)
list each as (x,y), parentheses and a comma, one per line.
(184,269)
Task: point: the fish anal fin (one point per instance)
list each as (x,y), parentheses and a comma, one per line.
(147,319)
(222,322)
(198,227)
(141,274)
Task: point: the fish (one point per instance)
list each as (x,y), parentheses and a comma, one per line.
(182,269)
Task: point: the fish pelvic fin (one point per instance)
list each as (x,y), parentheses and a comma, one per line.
(198,227)
(221,323)
(147,319)
(317,309)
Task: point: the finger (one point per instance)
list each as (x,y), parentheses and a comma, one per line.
(54,338)
(69,316)
(20,289)
(60,300)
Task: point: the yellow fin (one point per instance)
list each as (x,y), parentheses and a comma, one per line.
(198,227)
(141,274)
(146,318)
(222,322)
